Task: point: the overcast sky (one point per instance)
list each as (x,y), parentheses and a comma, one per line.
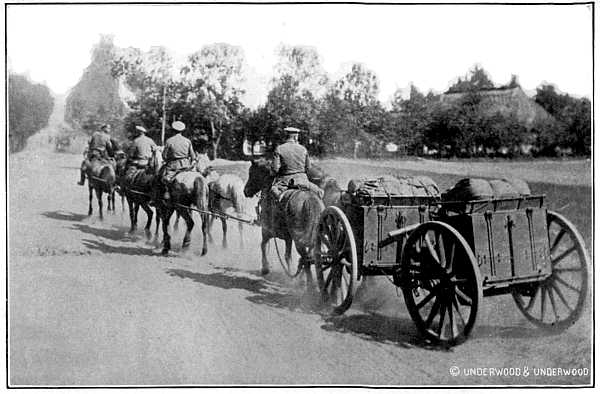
(428,45)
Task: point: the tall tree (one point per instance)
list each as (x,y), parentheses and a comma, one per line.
(151,77)
(303,65)
(213,80)
(29,109)
(95,99)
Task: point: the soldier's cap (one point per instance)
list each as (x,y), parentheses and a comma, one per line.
(292,130)
(105,126)
(178,125)
(141,129)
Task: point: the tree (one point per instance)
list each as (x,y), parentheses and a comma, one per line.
(212,82)
(359,87)
(303,65)
(351,115)
(95,99)
(477,79)
(574,116)
(29,109)
(151,77)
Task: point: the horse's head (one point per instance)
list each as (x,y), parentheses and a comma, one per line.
(156,160)
(316,175)
(259,177)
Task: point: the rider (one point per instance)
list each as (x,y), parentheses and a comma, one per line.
(178,155)
(290,166)
(100,146)
(140,151)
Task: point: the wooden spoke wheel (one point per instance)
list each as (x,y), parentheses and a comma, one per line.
(336,261)
(557,302)
(441,283)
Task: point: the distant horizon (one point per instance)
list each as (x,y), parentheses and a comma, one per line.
(429,46)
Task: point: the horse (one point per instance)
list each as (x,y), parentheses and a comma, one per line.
(296,221)
(188,188)
(226,192)
(332,193)
(137,187)
(101,179)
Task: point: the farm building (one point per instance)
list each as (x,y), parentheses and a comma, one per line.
(506,100)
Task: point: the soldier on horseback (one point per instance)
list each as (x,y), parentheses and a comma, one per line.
(100,147)
(178,155)
(291,164)
(140,151)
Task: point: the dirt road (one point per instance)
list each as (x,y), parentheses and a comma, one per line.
(90,305)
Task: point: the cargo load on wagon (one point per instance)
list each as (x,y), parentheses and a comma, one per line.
(393,190)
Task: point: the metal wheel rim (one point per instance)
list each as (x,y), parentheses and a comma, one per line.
(336,260)
(549,304)
(442,291)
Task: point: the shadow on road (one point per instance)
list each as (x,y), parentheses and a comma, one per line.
(112,234)
(266,292)
(63,215)
(128,250)
(375,327)
(380,328)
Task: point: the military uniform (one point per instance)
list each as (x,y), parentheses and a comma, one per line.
(140,151)
(177,155)
(290,165)
(100,147)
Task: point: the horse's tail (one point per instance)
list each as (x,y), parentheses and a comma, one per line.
(201,193)
(310,214)
(107,174)
(237,195)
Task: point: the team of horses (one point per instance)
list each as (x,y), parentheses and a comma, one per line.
(211,194)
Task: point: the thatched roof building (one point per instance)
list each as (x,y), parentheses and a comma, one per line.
(505,100)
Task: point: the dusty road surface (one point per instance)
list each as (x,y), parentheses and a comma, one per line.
(91,305)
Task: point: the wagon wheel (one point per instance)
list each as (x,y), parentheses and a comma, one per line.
(336,261)
(557,302)
(291,268)
(441,283)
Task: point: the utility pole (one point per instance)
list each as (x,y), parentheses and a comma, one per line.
(164,115)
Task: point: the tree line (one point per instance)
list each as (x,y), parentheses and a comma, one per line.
(341,116)
(29,108)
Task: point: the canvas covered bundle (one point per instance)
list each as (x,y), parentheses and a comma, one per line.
(471,189)
(389,186)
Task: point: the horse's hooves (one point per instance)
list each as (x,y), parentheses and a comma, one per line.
(264,271)
(164,252)
(204,251)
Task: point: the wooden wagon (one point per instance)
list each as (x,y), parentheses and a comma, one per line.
(445,256)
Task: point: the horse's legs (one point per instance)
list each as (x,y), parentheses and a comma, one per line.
(263,248)
(166,213)
(157,224)
(224,226)
(149,214)
(189,223)
(288,250)
(132,217)
(211,220)
(241,228)
(176,225)
(204,227)
(91,191)
(99,197)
